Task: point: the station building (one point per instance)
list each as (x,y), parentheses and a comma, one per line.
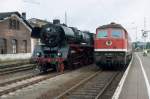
(15,36)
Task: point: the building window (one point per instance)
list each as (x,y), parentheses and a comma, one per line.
(10,24)
(14,46)
(24,46)
(14,24)
(18,25)
(3,46)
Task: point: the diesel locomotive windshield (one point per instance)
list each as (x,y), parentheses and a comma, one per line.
(117,33)
(102,34)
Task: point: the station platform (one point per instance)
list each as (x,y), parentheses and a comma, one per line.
(136,83)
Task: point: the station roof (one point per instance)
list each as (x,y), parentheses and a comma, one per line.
(5,15)
(111,25)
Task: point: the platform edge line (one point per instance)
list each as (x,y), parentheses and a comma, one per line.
(145,77)
(121,83)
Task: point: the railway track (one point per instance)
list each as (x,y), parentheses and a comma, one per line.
(10,81)
(90,88)
(14,69)
(16,84)
(13,63)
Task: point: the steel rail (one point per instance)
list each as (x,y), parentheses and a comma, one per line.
(16,69)
(106,86)
(61,96)
(4,91)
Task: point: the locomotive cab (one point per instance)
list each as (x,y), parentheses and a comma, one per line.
(107,39)
(112,45)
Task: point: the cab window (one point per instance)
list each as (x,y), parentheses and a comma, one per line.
(102,34)
(117,33)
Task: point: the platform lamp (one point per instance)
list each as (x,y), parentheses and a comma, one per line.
(144,36)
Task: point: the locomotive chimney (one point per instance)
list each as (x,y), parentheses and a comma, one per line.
(56,21)
(24,15)
(112,23)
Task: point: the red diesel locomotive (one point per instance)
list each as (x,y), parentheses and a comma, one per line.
(113,46)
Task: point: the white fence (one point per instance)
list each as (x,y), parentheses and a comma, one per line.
(9,57)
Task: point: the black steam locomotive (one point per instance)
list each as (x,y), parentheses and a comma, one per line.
(60,43)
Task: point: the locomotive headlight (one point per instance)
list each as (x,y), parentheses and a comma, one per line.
(83,43)
(38,54)
(108,54)
(48,29)
(59,54)
(73,51)
(121,54)
(96,54)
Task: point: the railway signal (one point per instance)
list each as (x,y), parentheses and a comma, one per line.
(145,33)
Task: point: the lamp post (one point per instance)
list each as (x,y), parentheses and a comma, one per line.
(135,28)
(144,36)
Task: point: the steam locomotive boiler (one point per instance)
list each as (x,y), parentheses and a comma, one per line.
(60,43)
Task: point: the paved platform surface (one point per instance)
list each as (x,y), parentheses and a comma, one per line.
(135,86)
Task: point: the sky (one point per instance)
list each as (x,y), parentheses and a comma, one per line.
(87,14)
